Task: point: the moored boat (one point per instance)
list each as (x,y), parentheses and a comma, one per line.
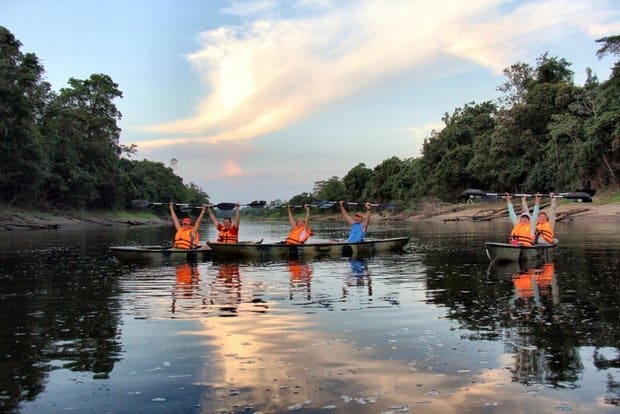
(506,252)
(271,251)
(159,253)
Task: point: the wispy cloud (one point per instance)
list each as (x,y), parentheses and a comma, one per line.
(270,73)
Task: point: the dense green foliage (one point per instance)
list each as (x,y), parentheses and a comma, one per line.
(544,134)
(62,149)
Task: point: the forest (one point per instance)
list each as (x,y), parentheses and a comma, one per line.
(61,149)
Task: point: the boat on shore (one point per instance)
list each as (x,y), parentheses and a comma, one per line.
(506,252)
(160,253)
(274,251)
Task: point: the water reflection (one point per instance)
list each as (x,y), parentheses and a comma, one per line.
(432,330)
(301,277)
(225,291)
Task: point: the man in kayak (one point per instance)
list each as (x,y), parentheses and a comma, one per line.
(187,236)
(228,232)
(300,228)
(359,223)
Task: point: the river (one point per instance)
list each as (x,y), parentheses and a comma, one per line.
(433,329)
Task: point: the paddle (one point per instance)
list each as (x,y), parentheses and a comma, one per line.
(187,206)
(578,196)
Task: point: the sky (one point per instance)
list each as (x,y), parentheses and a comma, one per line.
(260,99)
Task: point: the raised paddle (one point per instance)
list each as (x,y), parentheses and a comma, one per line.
(578,196)
(220,206)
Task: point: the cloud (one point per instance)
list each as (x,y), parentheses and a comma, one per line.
(268,74)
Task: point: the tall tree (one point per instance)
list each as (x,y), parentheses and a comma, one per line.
(23,95)
(82,137)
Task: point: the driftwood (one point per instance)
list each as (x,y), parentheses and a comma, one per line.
(568,215)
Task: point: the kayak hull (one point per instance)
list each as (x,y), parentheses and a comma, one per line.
(273,251)
(505,252)
(160,253)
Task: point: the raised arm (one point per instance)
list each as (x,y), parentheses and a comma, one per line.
(511,210)
(291,218)
(175,220)
(524,207)
(237,216)
(212,217)
(553,211)
(367,218)
(199,219)
(345,215)
(307,219)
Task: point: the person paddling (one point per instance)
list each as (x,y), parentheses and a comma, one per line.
(187,236)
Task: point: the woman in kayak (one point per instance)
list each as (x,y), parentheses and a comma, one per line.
(300,228)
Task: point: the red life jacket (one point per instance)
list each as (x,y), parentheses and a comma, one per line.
(229,235)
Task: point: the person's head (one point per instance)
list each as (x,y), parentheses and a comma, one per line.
(542,217)
(524,218)
(186,222)
(300,222)
(359,216)
(227,222)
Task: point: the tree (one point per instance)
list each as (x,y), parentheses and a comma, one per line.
(355,181)
(611,45)
(23,95)
(82,140)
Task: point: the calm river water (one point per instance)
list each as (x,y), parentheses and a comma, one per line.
(431,330)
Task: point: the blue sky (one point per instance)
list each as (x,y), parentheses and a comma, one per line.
(260,99)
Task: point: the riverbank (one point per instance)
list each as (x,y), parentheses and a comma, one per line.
(17,219)
(605,209)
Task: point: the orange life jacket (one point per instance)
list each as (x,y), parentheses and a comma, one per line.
(521,233)
(545,231)
(229,235)
(183,239)
(298,235)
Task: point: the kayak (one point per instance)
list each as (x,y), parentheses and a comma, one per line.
(270,251)
(505,252)
(160,253)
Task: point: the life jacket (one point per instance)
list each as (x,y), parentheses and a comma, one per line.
(298,235)
(545,231)
(229,235)
(521,234)
(183,239)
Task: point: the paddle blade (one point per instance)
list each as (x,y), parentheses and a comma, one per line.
(257,204)
(140,203)
(581,197)
(226,206)
(472,192)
